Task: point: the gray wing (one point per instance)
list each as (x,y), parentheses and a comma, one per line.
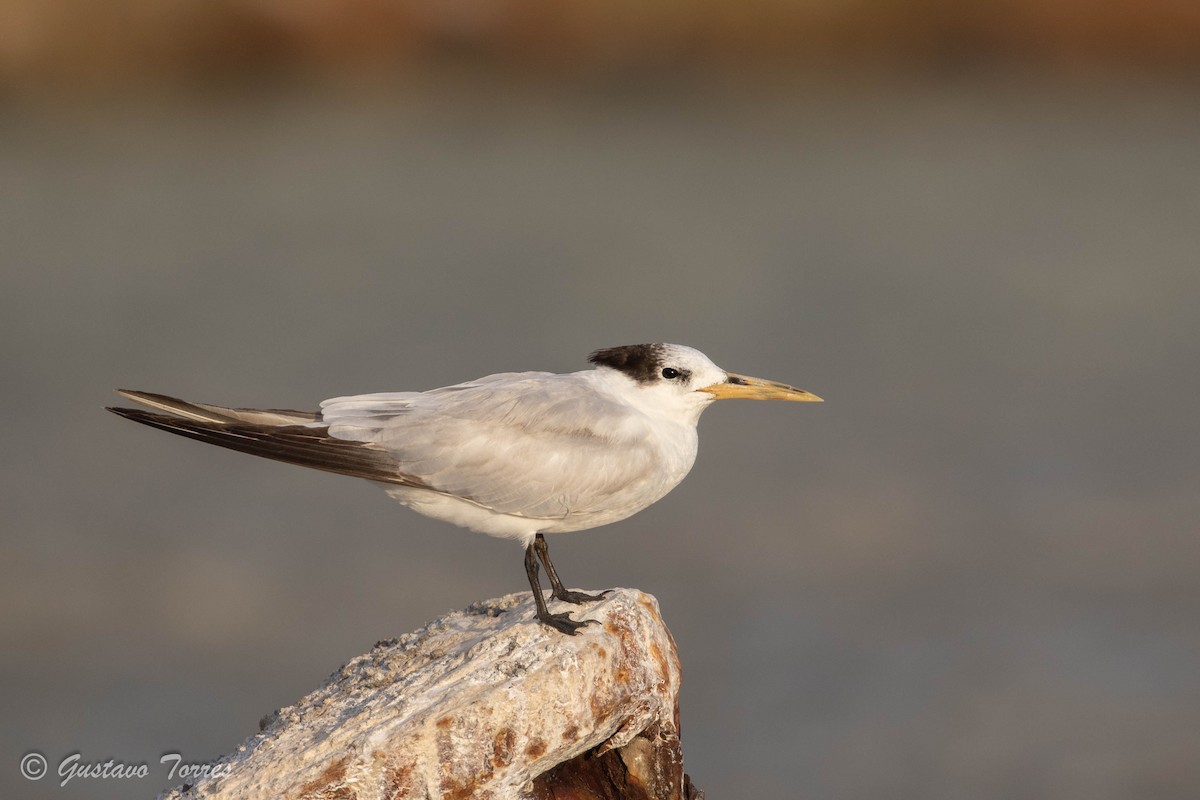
(537,445)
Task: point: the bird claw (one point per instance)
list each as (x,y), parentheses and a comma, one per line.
(563,622)
(578,598)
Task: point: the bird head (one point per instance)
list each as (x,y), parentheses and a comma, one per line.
(674,376)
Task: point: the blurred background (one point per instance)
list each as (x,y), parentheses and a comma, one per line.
(973,228)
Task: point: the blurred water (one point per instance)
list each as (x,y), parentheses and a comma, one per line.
(971,573)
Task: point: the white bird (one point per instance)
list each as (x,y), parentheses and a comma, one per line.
(515,455)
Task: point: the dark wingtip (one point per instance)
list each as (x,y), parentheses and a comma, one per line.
(136,414)
(128,413)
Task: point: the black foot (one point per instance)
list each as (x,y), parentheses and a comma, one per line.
(569,596)
(563,622)
(560,622)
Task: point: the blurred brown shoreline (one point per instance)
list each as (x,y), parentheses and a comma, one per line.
(86,43)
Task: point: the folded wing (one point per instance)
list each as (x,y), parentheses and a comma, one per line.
(536,445)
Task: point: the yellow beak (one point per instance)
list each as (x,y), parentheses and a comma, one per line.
(758,389)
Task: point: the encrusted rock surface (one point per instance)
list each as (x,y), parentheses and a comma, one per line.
(482,703)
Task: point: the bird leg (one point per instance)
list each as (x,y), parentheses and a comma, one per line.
(559,591)
(560,622)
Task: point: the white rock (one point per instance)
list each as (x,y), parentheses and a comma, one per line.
(479,704)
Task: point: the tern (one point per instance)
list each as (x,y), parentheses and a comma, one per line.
(515,455)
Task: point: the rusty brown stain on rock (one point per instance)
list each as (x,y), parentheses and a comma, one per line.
(502,747)
(571,733)
(457,786)
(603,704)
(537,747)
(445,722)
(398,781)
(324,786)
(458,791)
(663,668)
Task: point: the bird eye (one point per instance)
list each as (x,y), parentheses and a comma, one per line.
(670,373)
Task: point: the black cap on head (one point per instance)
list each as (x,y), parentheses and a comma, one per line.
(641,362)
